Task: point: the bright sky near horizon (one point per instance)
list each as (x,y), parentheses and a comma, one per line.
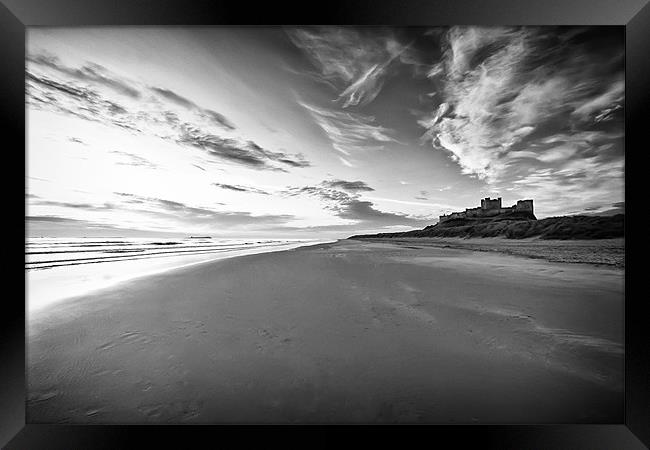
(316,132)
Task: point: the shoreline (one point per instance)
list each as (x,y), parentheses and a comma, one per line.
(56,284)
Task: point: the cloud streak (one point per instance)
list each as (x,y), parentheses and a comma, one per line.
(218,119)
(350,206)
(246,153)
(83,93)
(504,88)
(174,213)
(350,186)
(90,73)
(198,215)
(355,62)
(350,133)
(130,159)
(240,188)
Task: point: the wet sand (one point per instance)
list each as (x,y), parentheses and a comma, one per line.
(351,332)
(602,252)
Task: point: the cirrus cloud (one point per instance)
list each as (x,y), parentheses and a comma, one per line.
(505,88)
(355,62)
(87,93)
(349,132)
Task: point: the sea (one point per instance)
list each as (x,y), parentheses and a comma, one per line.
(60,268)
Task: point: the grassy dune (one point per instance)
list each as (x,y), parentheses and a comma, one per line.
(566,227)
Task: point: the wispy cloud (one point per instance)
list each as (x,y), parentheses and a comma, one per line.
(345,162)
(206,216)
(130,159)
(180,213)
(215,117)
(77,140)
(50,219)
(575,185)
(350,186)
(73,205)
(350,206)
(503,89)
(70,98)
(356,62)
(365,211)
(247,153)
(90,73)
(240,188)
(82,93)
(350,132)
(44,225)
(603,105)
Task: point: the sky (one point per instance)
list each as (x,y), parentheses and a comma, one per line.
(316,132)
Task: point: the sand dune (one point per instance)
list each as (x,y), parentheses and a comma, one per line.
(352,332)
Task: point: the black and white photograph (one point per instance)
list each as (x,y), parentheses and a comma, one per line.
(325,224)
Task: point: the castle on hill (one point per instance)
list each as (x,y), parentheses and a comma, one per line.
(489,208)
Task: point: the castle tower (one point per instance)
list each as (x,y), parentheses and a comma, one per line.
(488,203)
(524,205)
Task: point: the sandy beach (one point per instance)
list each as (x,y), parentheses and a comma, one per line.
(350,332)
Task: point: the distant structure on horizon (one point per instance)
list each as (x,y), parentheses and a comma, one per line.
(489,207)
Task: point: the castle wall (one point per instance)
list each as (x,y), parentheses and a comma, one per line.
(489,208)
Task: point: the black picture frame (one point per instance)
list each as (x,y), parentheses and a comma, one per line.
(16,15)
